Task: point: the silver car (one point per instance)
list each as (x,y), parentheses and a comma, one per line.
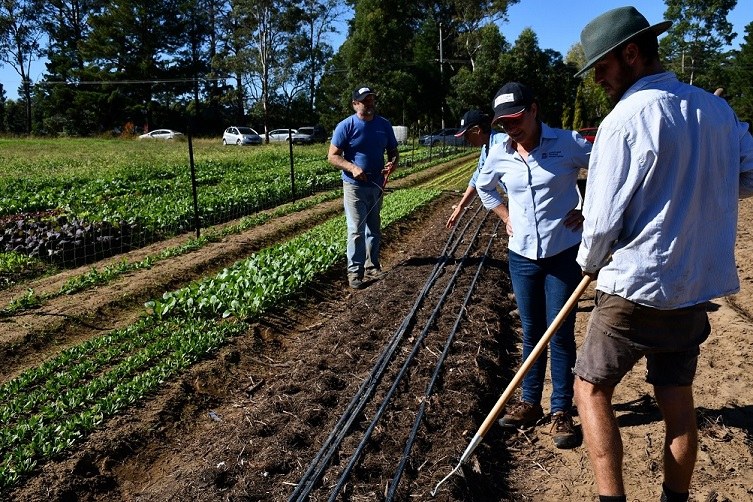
(280,135)
(235,135)
(162,134)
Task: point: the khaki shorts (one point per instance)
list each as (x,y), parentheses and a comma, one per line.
(620,332)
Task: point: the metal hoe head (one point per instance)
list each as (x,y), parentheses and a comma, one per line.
(518,378)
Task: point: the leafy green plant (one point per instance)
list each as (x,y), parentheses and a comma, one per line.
(47,409)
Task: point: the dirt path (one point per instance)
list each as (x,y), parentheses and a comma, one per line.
(244,424)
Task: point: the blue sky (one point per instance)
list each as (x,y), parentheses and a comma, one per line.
(557,23)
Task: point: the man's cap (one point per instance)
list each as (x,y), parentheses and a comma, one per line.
(511,100)
(472,118)
(609,30)
(361,92)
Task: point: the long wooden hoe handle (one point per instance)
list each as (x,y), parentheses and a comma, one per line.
(535,353)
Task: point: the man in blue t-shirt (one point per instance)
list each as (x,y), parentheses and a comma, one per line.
(358,146)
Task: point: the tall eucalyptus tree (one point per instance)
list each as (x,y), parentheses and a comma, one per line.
(694,45)
(20,35)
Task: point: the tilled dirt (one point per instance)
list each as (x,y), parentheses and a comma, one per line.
(246,423)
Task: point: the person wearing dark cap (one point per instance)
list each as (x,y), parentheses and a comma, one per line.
(668,167)
(357,148)
(476,127)
(537,167)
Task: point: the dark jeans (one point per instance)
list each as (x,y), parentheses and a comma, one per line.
(541,288)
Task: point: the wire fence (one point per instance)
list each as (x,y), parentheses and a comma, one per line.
(69,221)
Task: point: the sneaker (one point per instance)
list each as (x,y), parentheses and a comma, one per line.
(566,435)
(356,283)
(374,273)
(521,414)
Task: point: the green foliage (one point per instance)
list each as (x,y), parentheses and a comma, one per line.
(13,262)
(693,46)
(474,87)
(46,409)
(591,102)
(275,273)
(543,71)
(148,183)
(740,89)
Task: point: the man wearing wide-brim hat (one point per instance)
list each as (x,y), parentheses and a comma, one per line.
(668,166)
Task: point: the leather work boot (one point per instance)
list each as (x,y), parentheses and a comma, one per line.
(356,282)
(566,436)
(521,414)
(374,274)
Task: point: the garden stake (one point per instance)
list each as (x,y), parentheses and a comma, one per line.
(537,350)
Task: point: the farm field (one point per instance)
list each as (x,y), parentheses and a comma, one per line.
(246,421)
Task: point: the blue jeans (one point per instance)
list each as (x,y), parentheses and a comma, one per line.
(541,288)
(363,204)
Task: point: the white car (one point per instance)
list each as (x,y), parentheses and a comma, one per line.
(235,135)
(162,134)
(280,135)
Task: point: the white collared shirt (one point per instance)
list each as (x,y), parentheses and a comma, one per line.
(541,190)
(667,169)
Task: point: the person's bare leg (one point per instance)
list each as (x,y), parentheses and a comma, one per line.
(601,435)
(681,437)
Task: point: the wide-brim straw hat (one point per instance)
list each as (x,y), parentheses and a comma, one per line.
(611,29)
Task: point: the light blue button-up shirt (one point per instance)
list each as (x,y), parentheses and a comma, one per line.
(494,138)
(668,167)
(541,190)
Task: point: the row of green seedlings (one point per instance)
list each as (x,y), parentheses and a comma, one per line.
(13,267)
(89,191)
(11,263)
(159,197)
(98,277)
(47,409)
(454,179)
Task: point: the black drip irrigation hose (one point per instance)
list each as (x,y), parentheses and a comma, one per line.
(319,464)
(437,370)
(355,457)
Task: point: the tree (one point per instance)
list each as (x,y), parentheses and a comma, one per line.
(64,106)
(591,102)
(740,88)
(317,22)
(20,33)
(472,15)
(475,86)
(234,58)
(693,45)
(134,41)
(544,72)
(3,101)
(379,52)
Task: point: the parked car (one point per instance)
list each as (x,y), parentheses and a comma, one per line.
(310,134)
(235,135)
(588,133)
(280,135)
(446,136)
(162,134)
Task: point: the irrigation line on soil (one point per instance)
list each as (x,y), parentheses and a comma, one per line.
(355,457)
(437,369)
(321,461)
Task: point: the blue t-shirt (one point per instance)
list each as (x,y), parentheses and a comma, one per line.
(364,143)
